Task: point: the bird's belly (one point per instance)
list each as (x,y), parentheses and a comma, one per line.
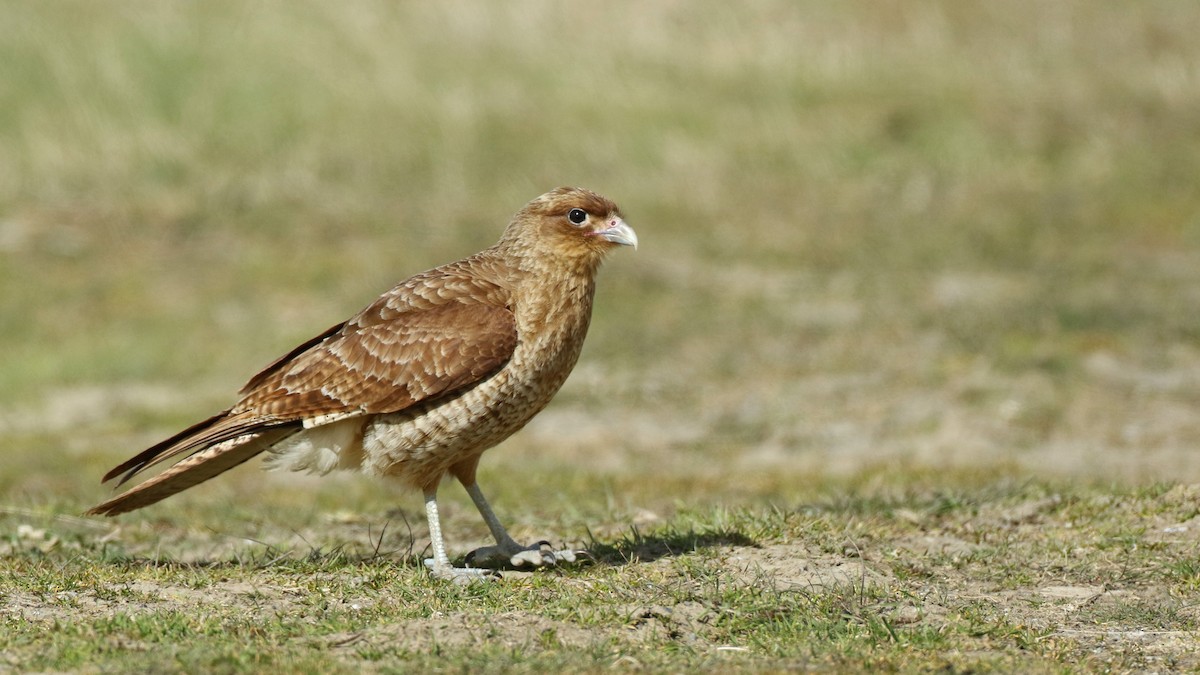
(418,446)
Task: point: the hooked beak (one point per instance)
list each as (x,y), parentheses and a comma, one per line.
(619,233)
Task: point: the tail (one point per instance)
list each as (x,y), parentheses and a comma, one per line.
(211,448)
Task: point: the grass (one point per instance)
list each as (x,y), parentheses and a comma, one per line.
(839,583)
(914,309)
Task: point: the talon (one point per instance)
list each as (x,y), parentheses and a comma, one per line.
(532,557)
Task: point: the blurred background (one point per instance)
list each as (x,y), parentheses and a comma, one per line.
(879,239)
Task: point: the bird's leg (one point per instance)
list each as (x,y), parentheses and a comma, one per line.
(507,551)
(439,564)
(503,539)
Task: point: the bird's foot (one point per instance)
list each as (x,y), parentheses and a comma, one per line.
(459,575)
(514,555)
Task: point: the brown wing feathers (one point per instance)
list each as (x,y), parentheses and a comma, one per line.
(368,365)
(280,362)
(388,367)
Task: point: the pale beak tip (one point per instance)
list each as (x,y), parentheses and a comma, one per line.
(620,233)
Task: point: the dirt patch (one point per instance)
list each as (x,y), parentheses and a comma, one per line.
(509,630)
(794,567)
(143,596)
(935,544)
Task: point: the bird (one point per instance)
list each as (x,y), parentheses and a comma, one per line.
(416,386)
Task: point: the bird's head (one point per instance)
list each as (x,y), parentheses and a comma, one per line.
(571,225)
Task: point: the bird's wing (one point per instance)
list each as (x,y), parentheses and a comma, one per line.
(362,367)
(387,366)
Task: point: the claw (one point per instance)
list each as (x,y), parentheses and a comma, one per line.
(533,558)
(568,555)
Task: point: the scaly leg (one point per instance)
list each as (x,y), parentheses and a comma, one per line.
(439,564)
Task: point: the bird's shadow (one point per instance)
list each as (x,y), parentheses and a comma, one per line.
(627,548)
(630,548)
(635,547)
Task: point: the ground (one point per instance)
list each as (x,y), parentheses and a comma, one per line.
(905,374)
(1011,576)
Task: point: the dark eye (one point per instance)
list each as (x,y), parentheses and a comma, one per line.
(577,216)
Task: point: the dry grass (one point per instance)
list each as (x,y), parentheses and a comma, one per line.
(921,247)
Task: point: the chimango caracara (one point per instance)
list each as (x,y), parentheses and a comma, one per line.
(420,383)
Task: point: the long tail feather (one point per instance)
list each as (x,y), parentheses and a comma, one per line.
(219,428)
(197,468)
(151,454)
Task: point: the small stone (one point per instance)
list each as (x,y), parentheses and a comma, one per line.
(906,615)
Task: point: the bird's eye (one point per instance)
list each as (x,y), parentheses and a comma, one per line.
(577,216)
